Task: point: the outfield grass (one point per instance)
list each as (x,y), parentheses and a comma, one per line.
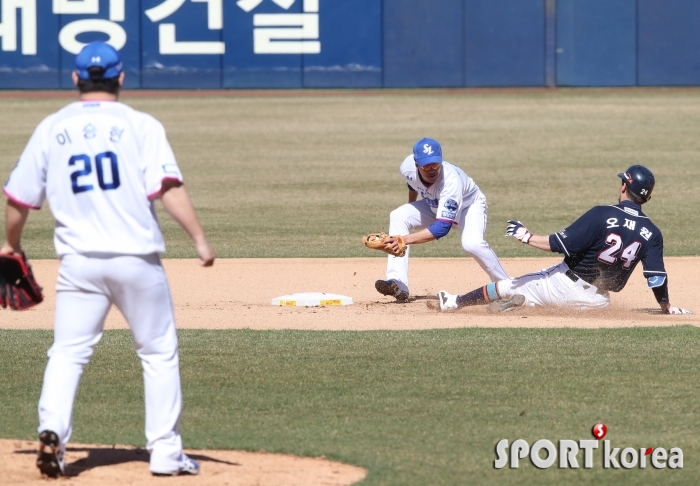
(284,176)
(415,408)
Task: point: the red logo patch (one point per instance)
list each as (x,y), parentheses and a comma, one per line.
(599,431)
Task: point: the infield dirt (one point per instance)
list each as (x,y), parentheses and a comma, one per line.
(237,294)
(102,465)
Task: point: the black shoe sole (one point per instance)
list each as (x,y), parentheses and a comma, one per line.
(391,290)
(47,462)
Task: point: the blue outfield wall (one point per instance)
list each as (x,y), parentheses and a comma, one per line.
(596,43)
(423,43)
(668,41)
(206,44)
(504,43)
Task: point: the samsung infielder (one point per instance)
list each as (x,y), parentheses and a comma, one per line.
(601,250)
(449,198)
(100,165)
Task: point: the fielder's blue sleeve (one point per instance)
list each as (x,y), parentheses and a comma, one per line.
(440,229)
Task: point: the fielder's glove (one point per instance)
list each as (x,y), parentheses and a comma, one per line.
(376,242)
(677,311)
(517,230)
(18,288)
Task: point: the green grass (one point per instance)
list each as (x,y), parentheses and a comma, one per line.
(280,176)
(306,176)
(415,408)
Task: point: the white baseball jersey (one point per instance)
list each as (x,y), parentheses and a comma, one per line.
(91,161)
(449,195)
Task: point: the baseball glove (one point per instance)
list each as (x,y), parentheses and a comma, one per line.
(376,242)
(18,288)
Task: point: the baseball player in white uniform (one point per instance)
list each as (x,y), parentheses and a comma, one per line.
(449,198)
(100,165)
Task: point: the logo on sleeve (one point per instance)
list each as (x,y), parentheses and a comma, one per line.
(170,169)
(451,205)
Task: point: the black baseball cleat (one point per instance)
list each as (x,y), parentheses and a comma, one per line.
(506,305)
(390,288)
(50,457)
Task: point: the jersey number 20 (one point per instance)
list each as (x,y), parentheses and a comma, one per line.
(615,242)
(99,166)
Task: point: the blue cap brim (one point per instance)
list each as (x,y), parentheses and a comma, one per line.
(428,160)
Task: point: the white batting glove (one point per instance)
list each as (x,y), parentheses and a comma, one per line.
(517,230)
(677,311)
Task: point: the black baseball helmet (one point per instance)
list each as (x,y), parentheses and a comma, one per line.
(639,181)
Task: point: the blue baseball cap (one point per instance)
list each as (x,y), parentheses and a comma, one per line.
(427,151)
(98,54)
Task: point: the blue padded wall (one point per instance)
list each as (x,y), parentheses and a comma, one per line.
(360,43)
(351,46)
(23,69)
(596,43)
(668,42)
(245,69)
(423,43)
(162,69)
(504,42)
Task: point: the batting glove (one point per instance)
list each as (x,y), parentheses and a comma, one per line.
(517,230)
(677,311)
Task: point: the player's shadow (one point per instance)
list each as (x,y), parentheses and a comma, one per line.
(100,457)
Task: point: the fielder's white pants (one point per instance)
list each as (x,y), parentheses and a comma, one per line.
(137,285)
(551,287)
(471,225)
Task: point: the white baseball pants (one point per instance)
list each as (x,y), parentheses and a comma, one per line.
(551,287)
(137,285)
(471,224)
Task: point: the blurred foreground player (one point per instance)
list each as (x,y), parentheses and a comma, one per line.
(600,251)
(100,165)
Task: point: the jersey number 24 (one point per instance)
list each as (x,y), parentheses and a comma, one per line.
(615,242)
(99,166)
